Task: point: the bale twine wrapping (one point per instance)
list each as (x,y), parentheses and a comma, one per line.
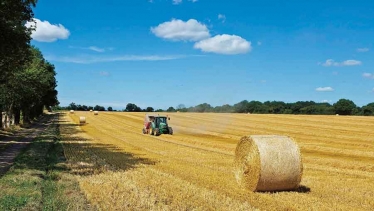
(96,112)
(82,120)
(268,163)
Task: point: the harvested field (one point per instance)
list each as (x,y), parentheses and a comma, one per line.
(119,168)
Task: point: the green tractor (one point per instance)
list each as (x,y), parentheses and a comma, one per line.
(157,125)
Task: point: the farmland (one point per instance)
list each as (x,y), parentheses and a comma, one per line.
(119,168)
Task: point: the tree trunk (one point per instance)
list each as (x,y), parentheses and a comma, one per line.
(1,120)
(17,116)
(26,115)
(39,110)
(9,118)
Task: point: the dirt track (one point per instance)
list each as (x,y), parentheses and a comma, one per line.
(18,141)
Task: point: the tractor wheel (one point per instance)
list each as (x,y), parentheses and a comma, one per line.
(170,131)
(152,132)
(157,132)
(144,131)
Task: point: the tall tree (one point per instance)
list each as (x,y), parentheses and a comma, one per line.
(15,40)
(131,107)
(15,36)
(35,86)
(344,107)
(149,109)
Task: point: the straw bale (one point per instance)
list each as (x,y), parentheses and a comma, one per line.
(82,120)
(268,163)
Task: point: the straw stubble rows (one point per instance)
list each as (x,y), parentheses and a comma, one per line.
(119,167)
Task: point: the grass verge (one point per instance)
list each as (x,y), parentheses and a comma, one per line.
(40,180)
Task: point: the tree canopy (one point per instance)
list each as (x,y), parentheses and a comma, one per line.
(342,107)
(27,80)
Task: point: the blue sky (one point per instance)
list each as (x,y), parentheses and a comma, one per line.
(163,53)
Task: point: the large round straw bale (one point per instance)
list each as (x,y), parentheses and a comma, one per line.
(96,112)
(72,111)
(90,110)
(82,120)
(268,163)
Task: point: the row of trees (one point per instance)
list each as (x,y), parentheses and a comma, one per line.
(27,80)
(342,107)
(131,107)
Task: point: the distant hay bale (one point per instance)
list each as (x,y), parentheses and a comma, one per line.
(90,110)
(337,114)
(82,120)
(268,163)
(96,112)
(72,111)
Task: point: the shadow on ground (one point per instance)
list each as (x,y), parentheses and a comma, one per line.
(87,157)
(300,189)
(11,144)
(83,156)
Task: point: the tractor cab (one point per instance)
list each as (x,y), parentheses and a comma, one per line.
(157,125)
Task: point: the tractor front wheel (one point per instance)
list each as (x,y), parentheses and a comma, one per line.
(170,131)
(157,132)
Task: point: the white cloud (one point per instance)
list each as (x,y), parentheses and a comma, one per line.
(177,2)
(46,32)
(324,89)
(222,17)
(224,44)
(104,73)
(361,50)
(90,59)
(350,62)
(368,75)
(94,48)
(177,30)
(329,63)
(325,101)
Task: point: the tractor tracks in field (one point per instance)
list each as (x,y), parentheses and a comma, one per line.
(171,142)
(111,131)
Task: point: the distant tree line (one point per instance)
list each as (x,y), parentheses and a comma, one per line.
(130,107)
(341,107)
(27,80)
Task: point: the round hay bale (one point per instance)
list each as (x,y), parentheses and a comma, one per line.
(96,113)
(337,114)
(90,110)
(268,163)
(82,120)
(72,111)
